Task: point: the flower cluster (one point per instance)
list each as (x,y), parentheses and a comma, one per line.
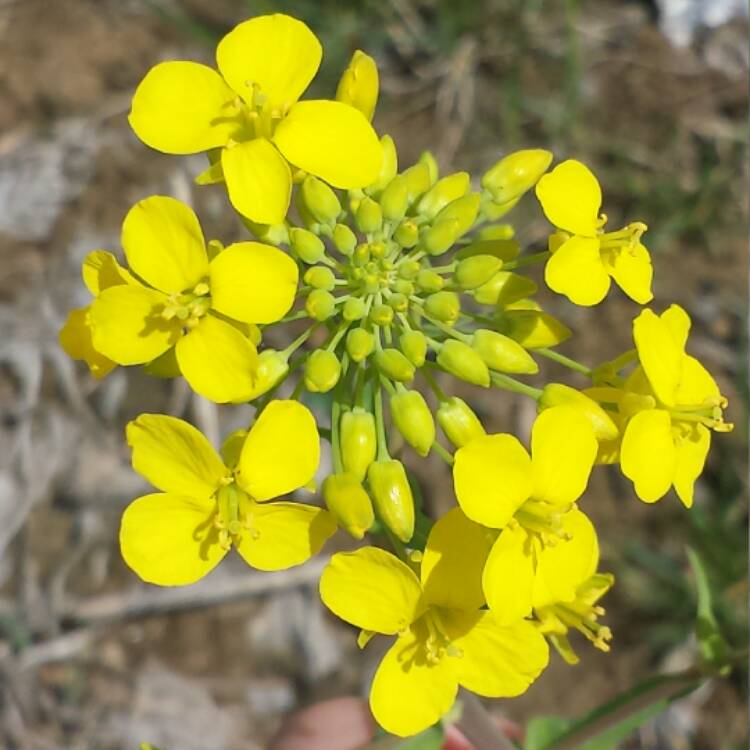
(401,276)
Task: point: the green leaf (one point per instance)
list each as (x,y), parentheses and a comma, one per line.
(430,739)
(542,731)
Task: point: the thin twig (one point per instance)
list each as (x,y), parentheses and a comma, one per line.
(478,726)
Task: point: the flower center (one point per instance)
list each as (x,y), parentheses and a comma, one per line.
(543,522)
(188,307)
(626,239)
(233,516)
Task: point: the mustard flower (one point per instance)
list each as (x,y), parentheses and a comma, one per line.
(248,117)
(444,637)
(208,505)
(545,540)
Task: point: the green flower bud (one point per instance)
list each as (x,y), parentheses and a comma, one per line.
(428,159)
(502,353)
(476,270)
(505,250)
(392,496)
(359,84)
(350,505)
(444,306)
(354,309)
(406,234)
(388,167)
(308,247)
(320,304)
(322,371)
(273,366)
(320,200)
(394,365)
(534,329)
(399,302)
(359,344)
(504,288)
(497,232)
(395,199)
(320,277)
(558,394)
(461,360)
(381,315)
(459,423)
(441,236)
(344,239)
(377,250)
(408,269)
(414,421)
(362,253)
(493,211)
(445,190)
(369,216)
(271,234)
(429,281)
(414,346)
(418,180)
(359,442)
(516,173)
(402,286)
(464,210)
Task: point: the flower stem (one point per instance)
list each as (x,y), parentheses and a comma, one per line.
(478,726)
(571,364)
(527,260)
(516,386)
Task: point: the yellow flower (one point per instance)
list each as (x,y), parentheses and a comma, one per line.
(674,403)
(445,638)
(546,541)
(584,257)
(249,111)
(208,505)
(180,299)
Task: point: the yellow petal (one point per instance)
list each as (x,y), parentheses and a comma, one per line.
(492,478)
(571,198)
(174,456)
(281,452)
(661,355)
(330,140)
(499,661)
(372,589)
(164,244)
(217,361)
(277,53)
(75,339)
(127,326)
(253,282)
(170,540)
(563,451)
(408,692)
(258,179)
(359,85)
(183,108)
(508,579)
(284,535)
(576,270)
(562,568)
(696,384)
(692,448)
(633,272)
(678,322)
(453,561)
(101,270)
(648,456)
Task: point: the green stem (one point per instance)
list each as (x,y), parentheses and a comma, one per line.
(571,364)
(436,389)
(297,343)
(527,260)
(516,386)
(383,454)
(443,452)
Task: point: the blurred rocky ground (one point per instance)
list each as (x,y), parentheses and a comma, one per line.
(652,95)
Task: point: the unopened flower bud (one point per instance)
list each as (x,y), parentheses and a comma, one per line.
(477,270)
(534,329)
(362,252)
(445,190)
(322,371)
(459,423)
(344,239)
(414,421)
(504,288)
(417,179)
(320,277)
(354,309)
(440,237)
(429,281)
(402,286)
(414,346)
(350,505)
(394,365)
(513,175)
(271,234)
(272,367)
(358,86)
(381,315)
(464,210)
(388,166)
(408,269)
(369,216)
(308,247)
(320,304)
(428,159)
(399,302)
(502,353)
(320,200)
(406,234)
(444,306)
(359,344)
(558,394)
(395,199)
(359,441)
(461,360)
(393,497)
